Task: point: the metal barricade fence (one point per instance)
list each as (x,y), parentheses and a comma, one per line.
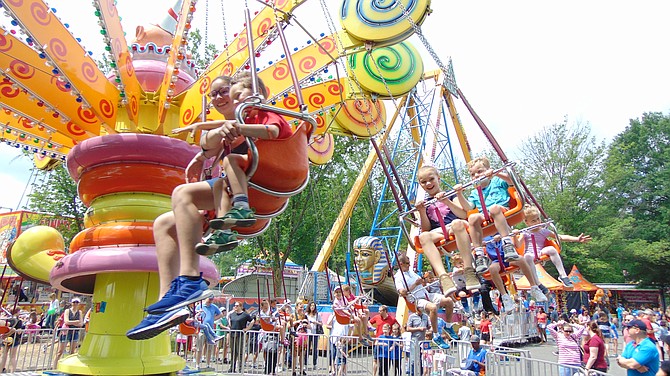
(35,349)
(517,327)
(255,352)
(506,364)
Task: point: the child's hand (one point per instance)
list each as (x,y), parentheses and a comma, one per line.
(458,188)
(515,232)
(188,128)
(489,173)
(420,205)
(583,238)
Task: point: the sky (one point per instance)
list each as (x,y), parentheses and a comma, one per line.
(523,65)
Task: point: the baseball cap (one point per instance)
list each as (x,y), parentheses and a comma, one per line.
(475,338)
(75,300)
(573,311)
(337,288)
(637,324)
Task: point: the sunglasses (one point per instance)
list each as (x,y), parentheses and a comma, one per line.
(221,92)
(567,331)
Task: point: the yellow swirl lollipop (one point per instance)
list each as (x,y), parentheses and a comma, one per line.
(387,71)
(362,117)
(382,20)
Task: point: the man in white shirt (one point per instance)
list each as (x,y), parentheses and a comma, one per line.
(410,286)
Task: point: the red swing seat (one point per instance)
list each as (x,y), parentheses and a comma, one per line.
(282,171)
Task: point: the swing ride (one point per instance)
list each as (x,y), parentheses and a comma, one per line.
(114,134)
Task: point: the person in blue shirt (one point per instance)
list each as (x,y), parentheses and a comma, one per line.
(640,356)
(476,360)
(383,344)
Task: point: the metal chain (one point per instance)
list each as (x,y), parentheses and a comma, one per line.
(225,32)
(206,25)
(448,74)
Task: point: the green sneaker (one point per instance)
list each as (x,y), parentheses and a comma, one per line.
(236,217)
(217,241)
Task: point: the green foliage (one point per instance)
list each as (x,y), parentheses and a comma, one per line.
(201,54)
(54,192)
(636,192)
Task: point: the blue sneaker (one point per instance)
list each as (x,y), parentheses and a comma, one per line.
(153,325)
(452,333)
(186,292)
(439,341)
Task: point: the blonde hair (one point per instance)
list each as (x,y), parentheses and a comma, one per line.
(428,169)
(530,210)
(483,160)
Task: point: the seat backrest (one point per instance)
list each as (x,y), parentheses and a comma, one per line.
(283,165)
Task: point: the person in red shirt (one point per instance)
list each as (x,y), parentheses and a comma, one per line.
(646,319)
(594,349)
(485,328)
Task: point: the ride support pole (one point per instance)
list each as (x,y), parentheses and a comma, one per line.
(394,191)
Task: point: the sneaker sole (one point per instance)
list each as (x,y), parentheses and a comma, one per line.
(202,295)
(158,328)
(228,223)
(512,257)
(211,249)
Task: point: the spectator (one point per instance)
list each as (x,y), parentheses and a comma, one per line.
(11,342)
(240,322)
(382,350)
(640,356)
(553,314)
(337,331)
(417,324)
(664,369)
(378,322)
(595,352)
(542,318)
(206,344)
(567,341)
(73,320)
(625,332)
(475,362)
(315,329)
(395,349)
(53,311)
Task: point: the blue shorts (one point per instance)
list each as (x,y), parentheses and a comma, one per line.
(212,181)
(492,253)
(71,335)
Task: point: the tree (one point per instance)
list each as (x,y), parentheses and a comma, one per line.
(201,54)
(636,191)
(54,192)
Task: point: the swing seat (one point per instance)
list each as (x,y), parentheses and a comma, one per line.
(267,326)
(341,318)
(187,329)
(514,215)
(283,171)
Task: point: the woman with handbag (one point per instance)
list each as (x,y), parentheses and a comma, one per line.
(567,338)
(315,330)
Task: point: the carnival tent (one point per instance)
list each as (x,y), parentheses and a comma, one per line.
(579,295)
(548,281)
(578,280)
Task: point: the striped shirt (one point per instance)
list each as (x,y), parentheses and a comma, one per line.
(568,346)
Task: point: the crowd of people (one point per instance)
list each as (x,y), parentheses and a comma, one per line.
(589,339)
(58,324)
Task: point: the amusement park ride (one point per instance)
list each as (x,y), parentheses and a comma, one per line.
(114,132)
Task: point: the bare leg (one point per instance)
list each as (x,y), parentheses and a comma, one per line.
(529,259)
(428,240)
(236,176)
(459,228)
(499,220)
(167,250)
(432,314)
(187,200)
(494,269)
(476,233)
(221,198)
(448,305)
(525,269)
